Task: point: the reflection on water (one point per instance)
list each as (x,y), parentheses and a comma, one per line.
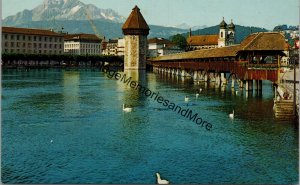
(71,92)
(94,141)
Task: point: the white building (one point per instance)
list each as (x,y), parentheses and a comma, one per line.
(115,47)
(82,44)
(121,47)
(31,41)
(161,46)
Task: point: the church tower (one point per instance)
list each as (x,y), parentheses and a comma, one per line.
(231,34)
(135,30)
(222,34)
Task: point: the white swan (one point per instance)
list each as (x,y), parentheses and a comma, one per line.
(161,181)
(197,95)
(126,109)
(236,92)
(200,90)
(186,98)
(231,115)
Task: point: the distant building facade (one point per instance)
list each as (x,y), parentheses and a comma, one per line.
(226,37)
(82,44)
(121,47)
(111,47)
(115,47)
(31,41)
(161,46)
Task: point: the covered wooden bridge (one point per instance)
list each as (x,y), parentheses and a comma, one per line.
(256,58)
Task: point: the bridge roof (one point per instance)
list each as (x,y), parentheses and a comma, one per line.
(264,41)
(229,51)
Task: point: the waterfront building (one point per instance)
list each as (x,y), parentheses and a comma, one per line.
(226,37)
(121,47)
(135,30)
(111,47)
(82,44)
(31,41)
(161,46)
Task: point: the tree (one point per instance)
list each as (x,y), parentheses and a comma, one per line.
(179,40)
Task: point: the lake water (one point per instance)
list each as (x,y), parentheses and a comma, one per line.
(67,126)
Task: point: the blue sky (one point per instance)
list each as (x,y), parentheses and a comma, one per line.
(260,13)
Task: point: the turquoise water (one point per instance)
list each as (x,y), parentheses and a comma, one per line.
(61,126)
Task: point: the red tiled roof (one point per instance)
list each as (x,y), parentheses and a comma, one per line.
(159,41)
(29,31)
(202,40)
(135,21)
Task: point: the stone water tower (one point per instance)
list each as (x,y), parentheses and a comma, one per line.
(135,30)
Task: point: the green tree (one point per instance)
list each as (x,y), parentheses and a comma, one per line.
(180,40)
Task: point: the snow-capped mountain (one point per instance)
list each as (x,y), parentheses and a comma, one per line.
(187,27)
(63,10)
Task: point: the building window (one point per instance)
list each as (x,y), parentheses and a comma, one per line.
(50,45)
(18,37)
(12,44)
(5,36)
(40,45)
(45,39)
(60,46)
(24,45)
(34,45)
(29,45)
(29,37)
(221,34)
(40,38)
(24,37)
(18,44)
(24,50)
(50,39)
(45,51)
(34,38)
(55,46)
(45,45)
(6,44)
(12,37)
(55,39)
(40,51)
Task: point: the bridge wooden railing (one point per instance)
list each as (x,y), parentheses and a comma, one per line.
(242,69)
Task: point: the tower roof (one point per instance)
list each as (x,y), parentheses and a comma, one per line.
(223,24)
(135,24)
(231,25)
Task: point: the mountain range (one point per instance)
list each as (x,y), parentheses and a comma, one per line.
(73,16)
